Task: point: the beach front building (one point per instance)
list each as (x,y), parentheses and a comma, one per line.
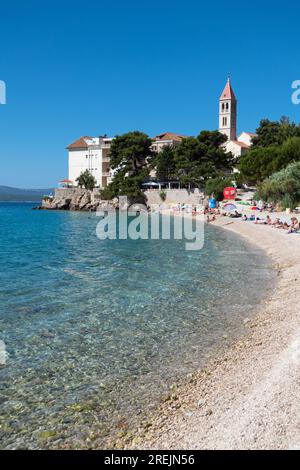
(167,139)
(92,154)
(228,123)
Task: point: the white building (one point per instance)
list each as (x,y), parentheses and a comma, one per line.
(92,154)
(228,123)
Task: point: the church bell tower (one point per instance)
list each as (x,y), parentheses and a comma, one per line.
(227,112)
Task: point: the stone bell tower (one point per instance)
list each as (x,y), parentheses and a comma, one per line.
(227,112)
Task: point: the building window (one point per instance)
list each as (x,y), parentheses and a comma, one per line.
(227,106)
(223,106)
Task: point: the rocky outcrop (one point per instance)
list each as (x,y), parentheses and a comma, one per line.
(77,199)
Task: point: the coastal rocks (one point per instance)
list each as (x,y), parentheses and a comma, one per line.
(79,199)
(84,201)
(74,199)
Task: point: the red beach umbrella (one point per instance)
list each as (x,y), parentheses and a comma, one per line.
(229,192)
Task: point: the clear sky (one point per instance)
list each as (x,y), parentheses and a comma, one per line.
(76,68)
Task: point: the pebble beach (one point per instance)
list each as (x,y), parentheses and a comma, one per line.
(249,398)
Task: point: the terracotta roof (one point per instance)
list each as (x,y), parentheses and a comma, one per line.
(80,143)
(169,136)
(228,93)
(66,180)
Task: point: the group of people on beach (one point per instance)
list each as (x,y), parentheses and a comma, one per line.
(292,227)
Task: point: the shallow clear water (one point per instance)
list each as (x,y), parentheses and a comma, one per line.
(97,331)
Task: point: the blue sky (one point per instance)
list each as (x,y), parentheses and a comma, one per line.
(77,68)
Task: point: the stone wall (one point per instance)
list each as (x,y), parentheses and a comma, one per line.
(174,196)
(83,199)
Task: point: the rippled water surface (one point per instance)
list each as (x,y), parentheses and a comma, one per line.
(97,331)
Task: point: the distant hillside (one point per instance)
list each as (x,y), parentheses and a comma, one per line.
(15,194)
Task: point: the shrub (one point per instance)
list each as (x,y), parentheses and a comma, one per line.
(283,187)
(107,194)
(163,195)
(217,185)
(86,180)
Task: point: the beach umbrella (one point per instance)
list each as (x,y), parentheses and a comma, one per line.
(229,193)
(230,207)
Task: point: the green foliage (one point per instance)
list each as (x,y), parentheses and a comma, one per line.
(131,156)
(164,163)
(216,186)
(290,151)
(259,163)
(86,180)
(163,195)
(282,187)
(270,133)
(200,158)
(131,152)
(106,194)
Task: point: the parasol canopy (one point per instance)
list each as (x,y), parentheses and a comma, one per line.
(229,207)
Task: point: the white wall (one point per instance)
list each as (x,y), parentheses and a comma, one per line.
(81,160)
(245,138)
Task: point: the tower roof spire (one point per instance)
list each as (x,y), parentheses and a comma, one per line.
(227,93)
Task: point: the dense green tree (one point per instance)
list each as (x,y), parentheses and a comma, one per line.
(202,157)
(261,162)
(271,133)
(258,164)
(216,186)
(131,157)
(289,152)
(131,152)
(282,187)
(164,163)
(86,180)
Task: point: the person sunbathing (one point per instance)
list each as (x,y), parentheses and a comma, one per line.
(295,226)
(276,222)
(235,215)
(283,225)
(266,221)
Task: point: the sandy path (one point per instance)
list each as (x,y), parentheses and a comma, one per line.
(249,399)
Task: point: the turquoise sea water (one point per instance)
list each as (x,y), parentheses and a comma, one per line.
(97,331)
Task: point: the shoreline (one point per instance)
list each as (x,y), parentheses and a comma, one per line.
(248,399)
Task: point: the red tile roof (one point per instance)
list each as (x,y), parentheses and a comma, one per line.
(228,93)
(169,136)
(79,144)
